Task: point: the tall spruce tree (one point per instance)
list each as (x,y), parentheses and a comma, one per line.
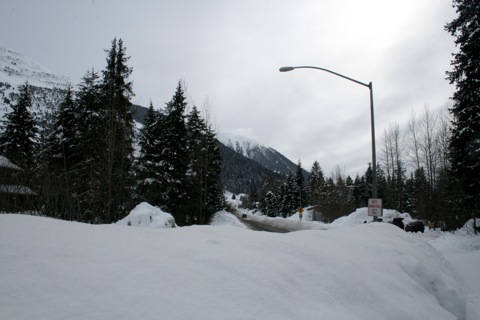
(174,156)
(87,176)
(204,188)
(215,199)
(316,184)
(197,167)
(302,196)
(117,162)
(465,140)
(18,141)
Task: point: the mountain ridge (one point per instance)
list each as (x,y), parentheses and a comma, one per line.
(16,68)
(264,155)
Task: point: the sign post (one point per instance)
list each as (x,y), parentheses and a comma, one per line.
(375,208)
(300,213)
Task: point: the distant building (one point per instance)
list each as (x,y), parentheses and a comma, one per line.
(316,213)
(321,213)
(13,196)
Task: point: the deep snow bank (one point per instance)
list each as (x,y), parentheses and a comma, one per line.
(54,269)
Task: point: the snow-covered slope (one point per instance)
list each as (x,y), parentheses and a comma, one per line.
(16,68)
(266,156)
(48,88)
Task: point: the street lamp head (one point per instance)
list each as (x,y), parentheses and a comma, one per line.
(285,69)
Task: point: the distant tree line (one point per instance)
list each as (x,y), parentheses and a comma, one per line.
(428,190)
(83,164)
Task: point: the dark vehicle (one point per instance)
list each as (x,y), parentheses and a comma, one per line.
(415,226)
(398,222)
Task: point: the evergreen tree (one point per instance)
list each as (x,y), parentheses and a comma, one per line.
(316,184)
(148,137)
(421,194)
(151,187)
(174,156)
(451,209)
(197,167)
(465,142)
(204,188)
(59,156)
(331,197)
(215,199)
(301,187)
(397,187)
(269,204)
(389,197)
(18,141)
(350,199)
(381,182)
(367,188)
(86,171)
(118,157)
(288,200)
(180,163)
(270,200)
(64,132)
(409,194)
(358,191)
(339,196)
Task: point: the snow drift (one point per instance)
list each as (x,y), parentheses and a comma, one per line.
(146,215)
(54,269)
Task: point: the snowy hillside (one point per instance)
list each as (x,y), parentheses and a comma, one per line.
(48,88)
(240,144)
(15,69)
(52,269)
(266,156)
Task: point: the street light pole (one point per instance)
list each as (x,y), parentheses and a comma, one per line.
(370,87)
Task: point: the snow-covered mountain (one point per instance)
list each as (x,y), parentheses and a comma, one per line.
(266,156)
(48,88)
(16,68)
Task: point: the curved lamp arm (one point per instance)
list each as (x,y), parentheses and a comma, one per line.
(286,69)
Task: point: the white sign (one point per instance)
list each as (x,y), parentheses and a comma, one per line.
(375,207)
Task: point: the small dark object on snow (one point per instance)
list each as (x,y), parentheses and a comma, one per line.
(415,226)
(398,222)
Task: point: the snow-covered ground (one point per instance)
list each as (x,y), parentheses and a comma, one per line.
(52,269)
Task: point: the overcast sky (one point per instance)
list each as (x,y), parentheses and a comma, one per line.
(229,52)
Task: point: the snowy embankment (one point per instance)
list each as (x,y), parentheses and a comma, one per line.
(51,269)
